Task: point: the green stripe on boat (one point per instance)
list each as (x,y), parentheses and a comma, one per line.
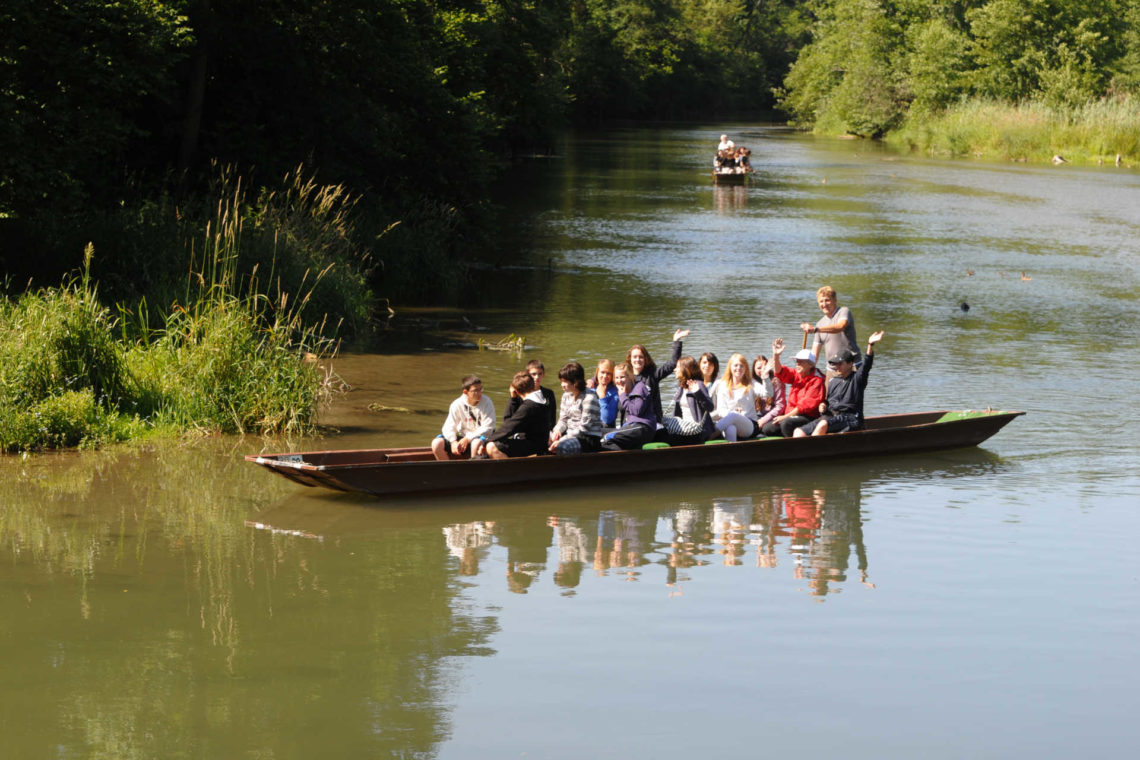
(966,415)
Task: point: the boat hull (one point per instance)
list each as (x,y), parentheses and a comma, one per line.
(384,472)
(730,179)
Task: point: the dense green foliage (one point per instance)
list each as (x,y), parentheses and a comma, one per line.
(229,360)
(874,64)
(409,104)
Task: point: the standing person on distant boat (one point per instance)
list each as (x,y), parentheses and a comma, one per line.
(579,426)
(602,384)
(835,331)
(645,371)
(639,421)
(807,391)
(735,412)
(470,419)
(526,430)
(725,143)
(843,410)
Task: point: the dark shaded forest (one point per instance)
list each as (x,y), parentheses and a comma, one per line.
(126,123)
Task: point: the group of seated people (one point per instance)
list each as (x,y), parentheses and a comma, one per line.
(619,407)
(731,159)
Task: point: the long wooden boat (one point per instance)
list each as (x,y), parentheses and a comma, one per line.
(384,472)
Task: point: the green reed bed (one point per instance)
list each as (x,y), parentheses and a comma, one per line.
(1095,132)
(230,356)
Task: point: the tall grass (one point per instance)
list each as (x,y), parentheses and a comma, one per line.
(1096,131)
(232,354)
(287,232)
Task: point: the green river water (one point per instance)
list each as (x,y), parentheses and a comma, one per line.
(174,601)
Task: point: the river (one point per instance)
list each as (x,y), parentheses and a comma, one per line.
(173,601)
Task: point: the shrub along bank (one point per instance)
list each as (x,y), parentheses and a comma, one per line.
(227,358)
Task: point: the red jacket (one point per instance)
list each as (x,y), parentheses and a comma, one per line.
(807,392)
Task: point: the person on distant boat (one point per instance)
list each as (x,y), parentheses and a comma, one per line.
(843,410)
(645,371)
(526,430)
(743,160)
(710,371)
(470,418)
(835,331)
(724,162)
(735,411)
(579,426)
(725,143)
(806,395)
(638,420)
(602,383)
(691,421)
(537,370)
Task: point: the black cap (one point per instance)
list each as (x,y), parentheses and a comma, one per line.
(846,355)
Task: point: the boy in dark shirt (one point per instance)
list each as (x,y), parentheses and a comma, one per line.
(537,370)
(843,410)
(530,417)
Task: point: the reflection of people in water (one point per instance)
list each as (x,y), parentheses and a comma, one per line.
(631,536)
(527,539)
(730,523)
(823,528)
(841,529)
(468,542)
(572,550)
(765,527)
(689,525)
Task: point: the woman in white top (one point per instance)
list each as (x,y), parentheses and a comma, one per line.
(735,412)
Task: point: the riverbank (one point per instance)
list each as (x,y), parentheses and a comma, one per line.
(1097,132)
(227,359)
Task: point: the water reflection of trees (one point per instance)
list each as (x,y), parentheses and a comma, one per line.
(174,602)
(154,618)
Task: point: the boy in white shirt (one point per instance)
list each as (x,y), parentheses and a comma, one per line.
(470,419)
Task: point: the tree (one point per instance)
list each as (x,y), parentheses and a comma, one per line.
(78,81)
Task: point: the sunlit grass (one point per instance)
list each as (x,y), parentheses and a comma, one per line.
(234,355)
(1097,131)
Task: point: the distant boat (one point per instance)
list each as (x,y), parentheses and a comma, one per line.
(731,177)
(385,472)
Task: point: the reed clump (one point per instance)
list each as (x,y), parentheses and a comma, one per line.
(1095,132)
(235,354)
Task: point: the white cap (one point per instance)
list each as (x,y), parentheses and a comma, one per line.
(805,355)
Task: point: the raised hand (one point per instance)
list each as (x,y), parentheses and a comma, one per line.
(778,346)
(682,332)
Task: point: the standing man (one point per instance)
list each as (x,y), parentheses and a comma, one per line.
(835,331)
